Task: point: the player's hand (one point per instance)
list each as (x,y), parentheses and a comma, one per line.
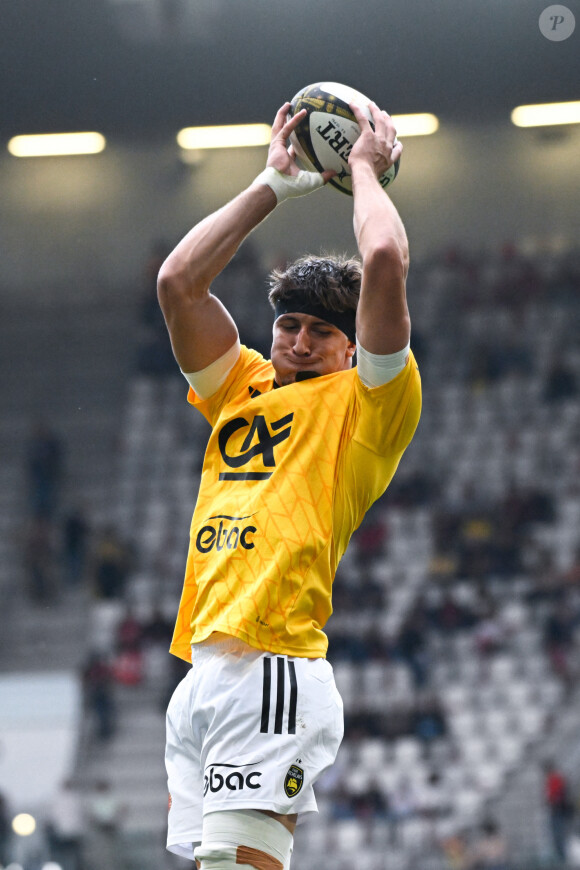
(377,147)
(282,173)
(281,155)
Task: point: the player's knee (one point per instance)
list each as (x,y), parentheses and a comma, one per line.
(243,840)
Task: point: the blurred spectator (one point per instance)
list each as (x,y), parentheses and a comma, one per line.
(571,575)
(412,490)
(455,849)
(347,646)
(66,827)
(5,832)
(410,646)
(433,801)
(128,667)
(40,560)
(112,564)
(158,629)
(546,578)
(75,545)
(378,647)
(522,506)
(370,539)
(128,662)
(403,805)
(342,805)
(448,614)
(485,365)
(489,633)
(98,684)
(428,719)
(446,527)
(45,466)
(519,280)
(559,637)
(560,383)
(560,808)
(369,804)
(489,849)
(475,548)
(130,632)
(370,594)
(157,634)
(105,815)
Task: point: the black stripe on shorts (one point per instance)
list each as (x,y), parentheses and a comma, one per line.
(266,695)
(280,696)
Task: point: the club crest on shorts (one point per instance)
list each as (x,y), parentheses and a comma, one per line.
(293,781)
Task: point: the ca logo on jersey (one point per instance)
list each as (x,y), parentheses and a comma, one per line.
(260,440)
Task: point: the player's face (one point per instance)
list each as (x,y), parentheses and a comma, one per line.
(303,343)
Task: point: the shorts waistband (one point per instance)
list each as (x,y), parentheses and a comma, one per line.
(218,643)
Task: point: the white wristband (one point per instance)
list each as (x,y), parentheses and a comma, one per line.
(288,186)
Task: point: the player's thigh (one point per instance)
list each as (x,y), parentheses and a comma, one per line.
(184,777)
(277,724)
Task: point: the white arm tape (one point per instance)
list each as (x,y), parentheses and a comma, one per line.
(208,381)
(375,369)
(288,186)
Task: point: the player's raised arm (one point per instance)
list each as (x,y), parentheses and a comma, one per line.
(383,324)
(200,328)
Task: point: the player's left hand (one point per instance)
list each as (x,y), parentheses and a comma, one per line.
(377,144)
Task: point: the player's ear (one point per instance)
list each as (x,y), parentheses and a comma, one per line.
(350,349)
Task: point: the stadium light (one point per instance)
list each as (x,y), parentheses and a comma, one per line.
(420,124)
(546,114)
(224,136)
(24,824)
(56,144)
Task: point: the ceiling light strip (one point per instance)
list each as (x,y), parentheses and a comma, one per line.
(546,114)
(419,124)
(56,144)
(225,136)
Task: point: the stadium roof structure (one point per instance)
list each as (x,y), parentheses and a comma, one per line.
(146,68)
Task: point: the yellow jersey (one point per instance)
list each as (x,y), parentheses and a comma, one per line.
(288,475)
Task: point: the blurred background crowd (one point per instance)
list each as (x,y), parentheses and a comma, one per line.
(456,633)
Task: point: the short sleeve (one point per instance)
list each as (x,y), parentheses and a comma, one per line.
(251,372)
(389,414)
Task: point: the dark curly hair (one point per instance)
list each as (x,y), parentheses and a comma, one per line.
(330,282)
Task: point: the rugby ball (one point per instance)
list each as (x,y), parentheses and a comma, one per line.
(326,135)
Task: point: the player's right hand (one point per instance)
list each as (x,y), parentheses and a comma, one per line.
(281,155)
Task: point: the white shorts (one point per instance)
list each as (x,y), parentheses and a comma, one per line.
(247,730)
